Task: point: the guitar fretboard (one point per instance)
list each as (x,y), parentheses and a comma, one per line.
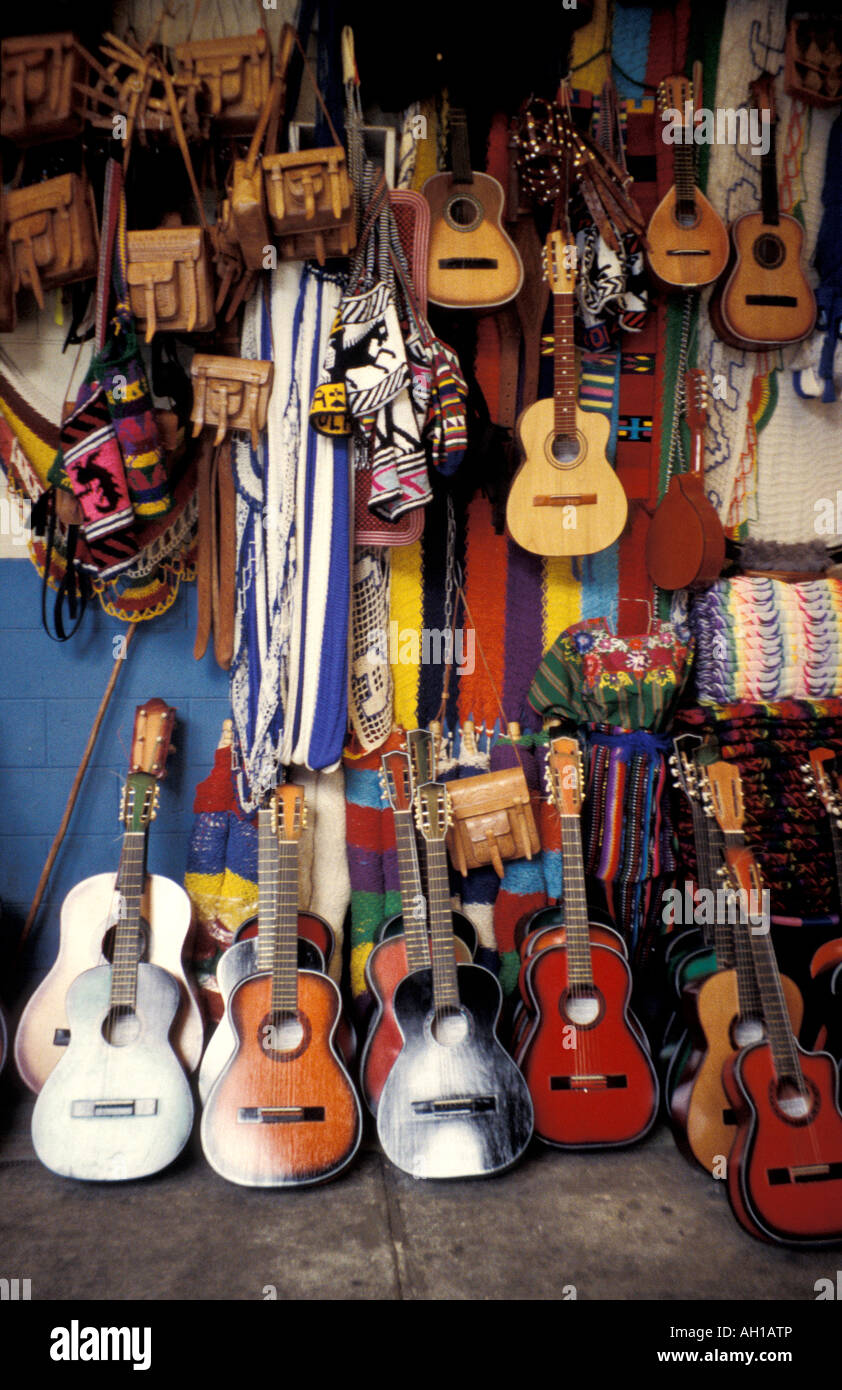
(285,944)
(564,366)
(129,886)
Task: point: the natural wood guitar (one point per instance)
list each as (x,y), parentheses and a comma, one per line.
(765,300)
(118,1104)
(472,263)
(687,242)
(89,917)
(565,498)
(283,1112)
(685,544)
(585,1059)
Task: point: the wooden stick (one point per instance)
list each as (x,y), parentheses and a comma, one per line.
(74,791)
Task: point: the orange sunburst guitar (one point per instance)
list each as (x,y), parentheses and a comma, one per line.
(785,1166)
(565,498)
(765,300)
(587,1066)
(472,263)
(283,1112)
(687,242)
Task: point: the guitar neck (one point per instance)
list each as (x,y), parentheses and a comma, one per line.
(285,943)
(769,181)
(460,154)
(564,366)
(578,937)
(131,876)
(445,979)
(684,174)
(413,905)
(267,889)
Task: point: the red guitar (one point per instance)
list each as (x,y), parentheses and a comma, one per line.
(785,1165)
(588,1071)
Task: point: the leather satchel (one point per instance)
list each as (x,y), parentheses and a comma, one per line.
(234,72)
(51,232)
(38,97)
(169,278)
(231,393)
(309,198)
(492,820)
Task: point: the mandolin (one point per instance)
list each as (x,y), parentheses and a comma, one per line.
(90,914)
(585,1060)
(396,955)
(253,950)
(785,1166)
(685,544)
(687,242)
(765,299)
(117,1105)
(472,263)
(726,1013)
(565,498)
(283,1111)
(454,1105)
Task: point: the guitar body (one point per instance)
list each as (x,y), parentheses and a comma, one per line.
(385,968)
(86,917)
(283,1112)
(458,1108)
(603,1091)
(463,927)
(238,962)
(787,1177)
(766,298)
(702,1116)
(685,544)
(472,262)
(79,1125)
(311,928)
(598,507)
(685,256)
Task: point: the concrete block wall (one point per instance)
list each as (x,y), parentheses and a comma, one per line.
(49,695)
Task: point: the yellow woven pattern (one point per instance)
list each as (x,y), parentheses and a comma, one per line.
(406,609)
(592,39)
(563,598)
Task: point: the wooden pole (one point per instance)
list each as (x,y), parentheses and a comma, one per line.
(74,790)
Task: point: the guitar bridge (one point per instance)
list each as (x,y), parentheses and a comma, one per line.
(804,1172)
(565,499)
(595,1082)
(468,263)
(278,1114)
(113,1109)
(774,301)
(455,1105)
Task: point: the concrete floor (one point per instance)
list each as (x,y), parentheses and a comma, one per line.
(633,1225)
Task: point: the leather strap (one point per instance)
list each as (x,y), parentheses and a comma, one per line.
(225,587)
(204,559)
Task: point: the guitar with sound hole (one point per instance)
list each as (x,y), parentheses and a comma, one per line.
(472,263)
(764,300)
(585,1059)
(283,1112)
(89,917)
(565,498)
(118,1105)
(785,1165)
(454,1105)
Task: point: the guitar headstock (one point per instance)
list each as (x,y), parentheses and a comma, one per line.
(421,745)
(726,795)
(560,262)
(683,765)
(432,810)
(696,399)
(289,812)
(763,94)
(151,738)
(673,94)
(823,776)
(566,776)
(396,780)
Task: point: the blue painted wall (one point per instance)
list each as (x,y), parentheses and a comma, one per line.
(49,695)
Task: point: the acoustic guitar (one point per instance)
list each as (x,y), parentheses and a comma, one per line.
(725,1012)
(283,1112)
(253,950)
(118,1104)
(685,544)
(585,1060)
(454,1105)
(765,299)
(565,498)
(687,242)
(472,263)
(397,955)
(785,1166)
(89,917)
